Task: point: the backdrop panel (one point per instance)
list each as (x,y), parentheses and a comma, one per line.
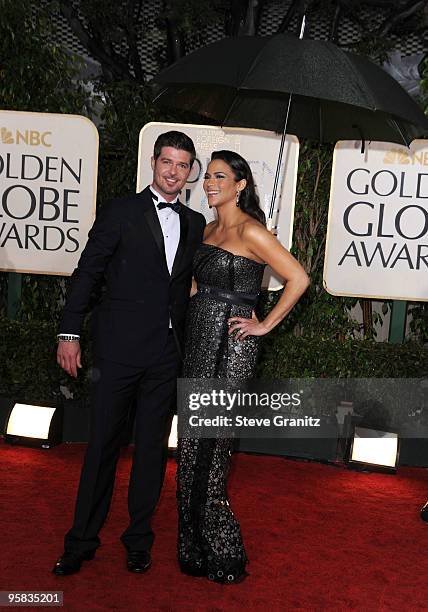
(377,237)
(48,184)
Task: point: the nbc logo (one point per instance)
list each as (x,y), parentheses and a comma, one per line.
(29,137)
(406,157)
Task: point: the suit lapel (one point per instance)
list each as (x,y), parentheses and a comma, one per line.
(152,221)
(184,230)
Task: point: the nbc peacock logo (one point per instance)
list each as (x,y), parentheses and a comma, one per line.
(6,136)
(405,157)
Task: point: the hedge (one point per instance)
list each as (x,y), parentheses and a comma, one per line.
(28,367)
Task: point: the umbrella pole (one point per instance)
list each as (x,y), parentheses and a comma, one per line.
(278,167)
(269,221)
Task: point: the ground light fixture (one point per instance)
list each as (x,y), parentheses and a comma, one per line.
(31,425)
(374,450)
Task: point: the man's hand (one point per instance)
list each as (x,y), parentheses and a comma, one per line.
(68,357)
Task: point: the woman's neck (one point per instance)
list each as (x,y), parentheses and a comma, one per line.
(228,217)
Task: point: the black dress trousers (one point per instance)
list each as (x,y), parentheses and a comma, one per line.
(114,387)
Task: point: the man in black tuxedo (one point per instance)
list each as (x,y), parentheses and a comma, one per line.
(143,245)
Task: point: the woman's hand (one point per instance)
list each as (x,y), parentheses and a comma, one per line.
(246,327)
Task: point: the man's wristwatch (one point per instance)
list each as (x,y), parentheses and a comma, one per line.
(68,338)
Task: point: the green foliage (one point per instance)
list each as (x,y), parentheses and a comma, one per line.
(3,294)
(374,47)
(419,310)
(419,321)
(127,108)
(109,18)
(285,356)
(190,16)
(424,83)
(36,75)
(42,297)
(28,368)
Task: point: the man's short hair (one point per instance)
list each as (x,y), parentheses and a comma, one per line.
(178,140)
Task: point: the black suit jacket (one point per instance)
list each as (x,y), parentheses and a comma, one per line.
(125,245)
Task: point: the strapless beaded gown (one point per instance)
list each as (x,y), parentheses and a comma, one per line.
(209,539)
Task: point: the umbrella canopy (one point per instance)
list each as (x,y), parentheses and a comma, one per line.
(336,95)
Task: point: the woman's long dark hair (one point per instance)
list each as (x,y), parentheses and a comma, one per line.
(248,200)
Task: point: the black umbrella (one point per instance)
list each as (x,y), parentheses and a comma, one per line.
(336,95)
(249,81)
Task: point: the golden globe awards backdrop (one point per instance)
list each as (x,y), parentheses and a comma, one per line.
(260,148)
(48,184)
(377,238)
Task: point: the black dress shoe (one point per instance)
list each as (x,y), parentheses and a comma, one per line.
(70,562)
(424,512)
(138,561)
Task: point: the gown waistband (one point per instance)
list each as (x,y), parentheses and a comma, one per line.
(229,297)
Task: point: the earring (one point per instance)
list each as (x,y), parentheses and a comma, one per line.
(238,195)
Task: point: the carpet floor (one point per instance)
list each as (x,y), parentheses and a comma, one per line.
(318,537)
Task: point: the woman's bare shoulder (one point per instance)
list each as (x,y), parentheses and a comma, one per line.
(254,230)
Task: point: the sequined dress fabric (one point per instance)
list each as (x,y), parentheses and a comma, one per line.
(209,540)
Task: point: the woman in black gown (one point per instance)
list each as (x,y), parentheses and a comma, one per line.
(222,338)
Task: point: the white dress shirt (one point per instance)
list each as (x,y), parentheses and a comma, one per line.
(170,224)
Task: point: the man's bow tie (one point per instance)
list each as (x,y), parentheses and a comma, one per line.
(175,206)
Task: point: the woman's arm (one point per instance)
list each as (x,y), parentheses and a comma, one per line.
(193,288)
(268,249)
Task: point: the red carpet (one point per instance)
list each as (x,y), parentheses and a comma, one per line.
(318,538)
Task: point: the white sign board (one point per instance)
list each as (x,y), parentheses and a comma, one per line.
(377,238)
(260,149)
(48,184)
